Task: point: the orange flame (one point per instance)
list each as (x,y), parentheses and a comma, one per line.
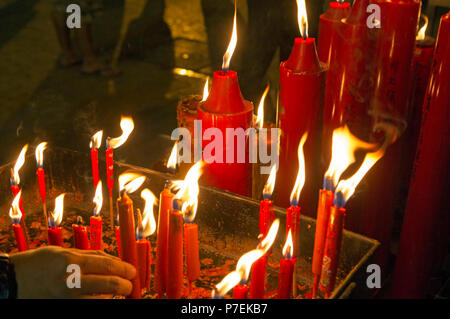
(148,219)
(206,90)
(172,162)
(39,152)
(127,126)
(300,181)
(14,212)
(260,115)
(231,46)
(58,211)
(344,146)
(188,192)
(423,30)
(267,242)
(302,18)
(19,163)
(288,249)
(96,140)
(98,199)
(130,182)
(270,184)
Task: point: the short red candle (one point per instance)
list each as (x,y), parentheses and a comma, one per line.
(240,291)
(96,232)
(20,238)
(119,246)
(144,258)
(191,251)
(226,108)
(258,279)
(128,240)
(55,236)
(94,162)
(266,216)
(302,81)
(80,237)
(175,256)
(285,278)
(332,250)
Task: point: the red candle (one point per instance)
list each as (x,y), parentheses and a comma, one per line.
(424,236)
(323,216)
(266,214)
(225,108)
(55,218)
(20,238)
(240,291)
(144,258)
(16,216)
(41,176)
(95,143)
(80,235)
(96,220)
(191,251)
(302,81)
(161,266)
(55,236)
(119,246)
(258,279)
(287,266)
(175,285)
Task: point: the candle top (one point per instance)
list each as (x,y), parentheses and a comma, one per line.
(304,58)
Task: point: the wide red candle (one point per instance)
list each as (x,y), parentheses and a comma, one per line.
(266,216)
(323,216)
(258,279)
(175,256)
(80,237)
(226,108)
(240,291)
(20,238)
(144,258)
(302,81)
(55,236)
(96,232)
(128,240)
(332,250)
(94,162)
(285,277)
(165,204)
(424,236)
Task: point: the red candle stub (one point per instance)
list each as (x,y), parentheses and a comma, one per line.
(285,278)
(20,238)
(55,236)
(80,237)
(240,292)
(175,258)
(258,279)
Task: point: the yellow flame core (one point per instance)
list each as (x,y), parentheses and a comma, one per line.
(58,211)
(127,126)
(260,115)
(39,152)
(188,192)
(302,18)
(301,175)
(206,90)
(267,242)
(288,248)
(98,199)
(130,182)
(344,146)
(18,165)
(246,261)
(148,219)
(423,30)
(270,184)
(347,187)
(172,162)
(96,140)
(14,212)
(231,46)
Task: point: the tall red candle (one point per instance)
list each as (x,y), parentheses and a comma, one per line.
(20,238)
(119,245)
(266,216)
(144,258)
(110,179)
(94,145)
(96,220)
(191,251)
(258,279)
(424,235)
(302,82)
(175,285)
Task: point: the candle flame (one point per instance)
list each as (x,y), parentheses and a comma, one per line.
(300,181)
(227,283)
(302,18)
(40,153)
(231,46)
(347,187)
(130,182)
(260,116)
(206,90)
(188,192)
(148,219)
(423,30)
(14,212)
(19,163)
(96,140)
(270,184)
(127,126)
(173,161)
(344,145)
(58,211)
(288,248)
(267,242)
(98,199)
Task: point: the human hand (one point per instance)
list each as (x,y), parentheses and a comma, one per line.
(42,273)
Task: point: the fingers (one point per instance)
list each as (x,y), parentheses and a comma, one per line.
(105,265)
(95,284)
